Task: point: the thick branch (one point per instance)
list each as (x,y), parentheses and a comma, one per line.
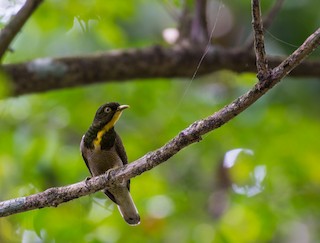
(15,24)
(155,62)
(192,134)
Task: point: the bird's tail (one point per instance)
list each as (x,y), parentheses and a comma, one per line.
(128,211)
(127,208)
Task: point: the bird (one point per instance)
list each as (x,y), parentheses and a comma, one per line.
(102,150)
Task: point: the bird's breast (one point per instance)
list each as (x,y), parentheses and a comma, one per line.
(99,161)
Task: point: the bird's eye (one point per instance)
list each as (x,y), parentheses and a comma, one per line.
(107,109)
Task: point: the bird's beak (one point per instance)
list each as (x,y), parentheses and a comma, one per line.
(122,107)
(116,116)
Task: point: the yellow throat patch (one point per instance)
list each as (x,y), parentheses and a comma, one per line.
(106,128)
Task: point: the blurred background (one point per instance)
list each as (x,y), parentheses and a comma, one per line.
(256,179)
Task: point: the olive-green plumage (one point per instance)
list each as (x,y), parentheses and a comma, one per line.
(102,149)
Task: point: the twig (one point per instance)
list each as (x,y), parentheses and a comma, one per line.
(192,134)
(199,30)
(15,24)
(267,21)
(262,63)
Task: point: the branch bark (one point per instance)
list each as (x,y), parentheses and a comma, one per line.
(267,21)
(192,134)
(154,62)
(8,33)
(262,62)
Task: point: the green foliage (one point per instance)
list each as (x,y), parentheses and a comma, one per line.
(40,136)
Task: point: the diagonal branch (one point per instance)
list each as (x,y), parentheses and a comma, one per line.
(310,44)
(192,134)
(15,24)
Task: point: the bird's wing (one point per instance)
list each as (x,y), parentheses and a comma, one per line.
(122,154)
(120,150)
(83,149)
(110,195)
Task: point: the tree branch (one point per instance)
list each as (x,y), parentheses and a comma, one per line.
(155,62)
(262,62)
(310,44)
(15,24)
(199,30)
(192,134)
(267,21)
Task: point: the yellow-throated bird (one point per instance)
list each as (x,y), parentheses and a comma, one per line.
(102,149)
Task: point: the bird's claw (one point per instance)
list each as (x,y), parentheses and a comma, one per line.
(87,179)
(108,173)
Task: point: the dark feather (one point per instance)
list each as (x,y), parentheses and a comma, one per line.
(120,150)
(110,196)
(122,154)
(85,160)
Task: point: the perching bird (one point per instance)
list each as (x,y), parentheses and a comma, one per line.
(102,149)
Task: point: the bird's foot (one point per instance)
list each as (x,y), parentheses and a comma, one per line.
(87,179)
(108,173)
(109,176)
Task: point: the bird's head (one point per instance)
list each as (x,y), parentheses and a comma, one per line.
(108,114)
